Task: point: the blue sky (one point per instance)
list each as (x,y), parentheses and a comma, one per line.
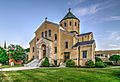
(19,19)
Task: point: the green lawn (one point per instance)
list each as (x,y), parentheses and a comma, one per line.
(63,75)
(8,66)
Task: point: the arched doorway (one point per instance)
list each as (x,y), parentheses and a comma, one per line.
(44,50)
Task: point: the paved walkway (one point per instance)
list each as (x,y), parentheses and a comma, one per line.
(18,68)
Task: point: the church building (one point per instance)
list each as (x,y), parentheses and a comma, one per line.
(63,41)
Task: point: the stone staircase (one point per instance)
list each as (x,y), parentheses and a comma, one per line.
(34,63)
(62,65)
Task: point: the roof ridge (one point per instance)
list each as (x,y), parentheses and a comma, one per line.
(69,15)
(83,34)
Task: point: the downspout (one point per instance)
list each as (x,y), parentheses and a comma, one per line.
(78,54)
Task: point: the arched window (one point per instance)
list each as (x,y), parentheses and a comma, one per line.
(45,33)
(66,44)
(70,23)
(33,49)
(42,34)
(65,24)
(75,23)
(55,36)
(82,39)
(60,24)
(37,39)
(55,50)
(49,33)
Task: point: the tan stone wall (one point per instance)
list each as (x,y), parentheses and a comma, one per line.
(38,35)
(72,27)
(105,53)
(32,44)
(62,37)
(90,54)
(86,38)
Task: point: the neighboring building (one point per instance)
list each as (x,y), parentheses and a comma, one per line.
(105,55)
(63,41)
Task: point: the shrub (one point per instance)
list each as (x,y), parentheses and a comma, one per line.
(100,64)
(70,63)
(98,59)
(115,58)
(109,63)
(46,63)
(89,63)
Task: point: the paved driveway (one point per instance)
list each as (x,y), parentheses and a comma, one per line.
(18,68)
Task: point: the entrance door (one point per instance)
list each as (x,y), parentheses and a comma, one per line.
(66,56)
(44,50)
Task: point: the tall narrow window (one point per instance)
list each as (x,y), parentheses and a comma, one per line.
(75,23)
(37,39)
(49,33)
(42,34)
(66,44)
(55,36)
(55,50)
(33,49)
(45,33)
(82,39)
(84,54)
(70,23)
(65,24)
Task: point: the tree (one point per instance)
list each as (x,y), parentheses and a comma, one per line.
(114,58)
(16,52)
(3,56)
(46,63)
(98,59)
(89,63)
(70,63)
(100,64)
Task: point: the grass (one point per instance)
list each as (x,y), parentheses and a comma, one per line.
(63,75)
(8,66)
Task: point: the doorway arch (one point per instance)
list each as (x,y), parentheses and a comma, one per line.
(43,50)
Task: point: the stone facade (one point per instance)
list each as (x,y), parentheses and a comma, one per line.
(63,41)
(105,54)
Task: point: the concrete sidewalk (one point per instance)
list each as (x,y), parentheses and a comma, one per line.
(18,68)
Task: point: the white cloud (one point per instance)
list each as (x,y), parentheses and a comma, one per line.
(75,2)
(111,40)
(113,45)
(115,17)
(87,10)
(114,35)
(92,8)
(112,18)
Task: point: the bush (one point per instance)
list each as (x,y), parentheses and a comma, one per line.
(70,63)
(100,64)
(98,59)
(109,63)
(89,63)
(46,63)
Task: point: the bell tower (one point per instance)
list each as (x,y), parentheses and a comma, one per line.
(70,22)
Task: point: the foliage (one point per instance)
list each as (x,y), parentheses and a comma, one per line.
(97,59)
(90,63)
(46,63)
(109,63)
(114,58)
(100,64)
(70,63)
(27,49)
(63,75)
(3,56)
(16,52)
